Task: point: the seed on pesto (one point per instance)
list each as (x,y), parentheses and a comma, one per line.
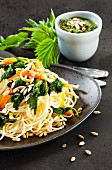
(77,25)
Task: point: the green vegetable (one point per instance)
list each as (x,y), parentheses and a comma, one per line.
(43,40)
(56,86)
(8,73)
(46,51)
(59,110)
(3,120)
(11,69)
(34,95)
(40,89)
(32,23)
(17,99)
(64,110)
(44,88)
(19,64)
(13,40)
(18,83)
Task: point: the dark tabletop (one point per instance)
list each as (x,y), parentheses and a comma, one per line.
(51,156)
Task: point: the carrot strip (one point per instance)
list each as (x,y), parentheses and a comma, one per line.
(29,74)
(9,60)
(4,101)
(69,112)
(38,76)
(26,73)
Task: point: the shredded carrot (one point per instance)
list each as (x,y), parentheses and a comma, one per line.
(69,112)
(4,100)
(29,74)
(26,73)
(38,76)
(18,72)
(11,78)
(9,60)
(16,75)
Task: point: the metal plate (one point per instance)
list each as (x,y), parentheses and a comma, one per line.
(88,101)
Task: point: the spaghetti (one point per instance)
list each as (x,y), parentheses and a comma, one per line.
(33,100)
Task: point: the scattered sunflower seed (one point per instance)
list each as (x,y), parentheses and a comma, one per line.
(16,139)
(25,91)
(94,133)
(73,158)
(13,84)
(79,109)
(64,145)
(96,112)
(88,152)
(82,143)
(29,88)
(80,136)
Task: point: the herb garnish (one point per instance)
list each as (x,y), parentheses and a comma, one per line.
(56,85)
(11,69)
(3,120)
(17,99)
(43,40)
(64,110)
(32,101)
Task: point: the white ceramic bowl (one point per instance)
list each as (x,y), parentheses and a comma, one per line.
(78,46)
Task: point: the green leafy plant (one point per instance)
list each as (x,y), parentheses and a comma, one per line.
(42,39)
(13,40)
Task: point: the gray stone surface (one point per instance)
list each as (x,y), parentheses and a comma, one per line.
(51,156)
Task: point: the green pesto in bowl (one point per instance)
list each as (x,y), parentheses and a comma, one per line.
(77,25)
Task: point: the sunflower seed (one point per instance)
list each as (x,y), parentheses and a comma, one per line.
(73,158)
(82,143)
(88,152)
(27,97)
(25,91)
(80,136)
(16,89)
(24,135)
(29,88)
(45,133)
(13,84)
(41,134)
(16,139)
(79,109)
(30,134)
(96,112)
(94,133)
(4,110)
(64,145)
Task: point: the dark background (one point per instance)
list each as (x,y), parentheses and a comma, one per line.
(51,156)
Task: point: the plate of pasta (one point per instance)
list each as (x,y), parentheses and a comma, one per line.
(38,105)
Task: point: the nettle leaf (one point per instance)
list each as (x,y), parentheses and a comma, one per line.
(13,40)
(28,29)
(52,19)
(39,35)
(1,39)
(32,23)
(30,45)
(47,52)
